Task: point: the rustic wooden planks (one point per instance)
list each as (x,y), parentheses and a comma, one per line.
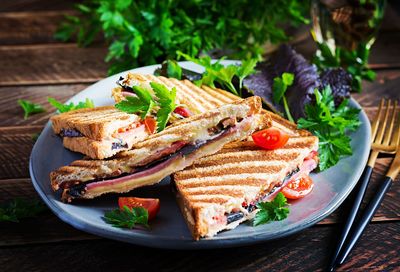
(11,114)
(26,28)
(33,65)
(36,5)
(306,251)
(51,64)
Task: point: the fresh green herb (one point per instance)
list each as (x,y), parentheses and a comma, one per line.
(355,62)
(216,72)
(166,102)
(276,210)
(245,69)
(71,106)
(279,89)
(144,103)
(146,32)
(172,69)
(30,108)
(330,124)
(18,209)
(127,218)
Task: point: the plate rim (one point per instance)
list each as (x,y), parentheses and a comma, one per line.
(173,243)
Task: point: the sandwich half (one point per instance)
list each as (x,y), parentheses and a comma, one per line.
(196,99)
(220,191)
(163,153)
(99,132)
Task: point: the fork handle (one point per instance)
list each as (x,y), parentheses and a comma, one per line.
(352,215)
(369,212)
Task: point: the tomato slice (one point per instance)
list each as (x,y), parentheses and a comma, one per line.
(298,188)
(270,138)
(152,205)
(182,111)
(150,124)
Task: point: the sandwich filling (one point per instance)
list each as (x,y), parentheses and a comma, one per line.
(164,162)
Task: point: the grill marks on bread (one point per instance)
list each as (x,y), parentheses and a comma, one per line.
(232,168)
(94,123)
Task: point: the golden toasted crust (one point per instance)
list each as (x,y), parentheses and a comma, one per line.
(95,123)
(92,148)
(196,99)
(237,173)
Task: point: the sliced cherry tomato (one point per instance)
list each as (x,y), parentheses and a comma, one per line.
(152,205)
(150,124)
(184,112)
(298,188)
(270,138)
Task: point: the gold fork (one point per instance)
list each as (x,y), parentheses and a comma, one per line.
(390,142)
(383,141)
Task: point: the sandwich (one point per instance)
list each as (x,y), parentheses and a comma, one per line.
(161,154)
(196,99)
(102,132)
(220,191)
(99,132)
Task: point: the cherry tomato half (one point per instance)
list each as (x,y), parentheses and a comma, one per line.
(298,188)
(270,138)
(150,124)
(152,205)
(184,112)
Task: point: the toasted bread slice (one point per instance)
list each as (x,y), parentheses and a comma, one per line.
(102,149)
(194,98)
(95,123)
(99,132)
(215,187)
(199,100)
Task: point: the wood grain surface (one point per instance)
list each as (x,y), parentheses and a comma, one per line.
(28,28)
(34,66)
(304,251)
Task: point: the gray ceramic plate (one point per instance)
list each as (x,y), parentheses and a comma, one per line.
(169,230)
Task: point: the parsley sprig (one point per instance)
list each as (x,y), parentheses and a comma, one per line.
(61,107)
(330,125)
(127,218)
(143,103)
(30,108)
(276,210)
(279,88)
(166,102)
(223,75)
(18,209)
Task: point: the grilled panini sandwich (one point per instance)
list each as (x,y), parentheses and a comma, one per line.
(196,99)
(99,132)
(220,191)
(163,153)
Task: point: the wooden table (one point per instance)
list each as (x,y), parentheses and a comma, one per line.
(33,65)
